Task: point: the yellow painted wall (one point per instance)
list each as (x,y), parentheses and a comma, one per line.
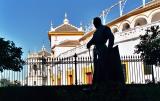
(86,70)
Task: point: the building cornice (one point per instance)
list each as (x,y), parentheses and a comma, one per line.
(135,12)
(65,34)
(150,6)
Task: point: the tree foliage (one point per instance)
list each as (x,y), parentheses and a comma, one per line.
(149,46)
(10,56)
(5,82)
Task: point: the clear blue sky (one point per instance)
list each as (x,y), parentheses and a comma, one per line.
(26,22)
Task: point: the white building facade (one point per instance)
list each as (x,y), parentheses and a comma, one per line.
(38,71)
(67,39)
(127,30)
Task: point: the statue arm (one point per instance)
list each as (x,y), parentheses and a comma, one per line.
(111,41)
(110,37)
(91,42)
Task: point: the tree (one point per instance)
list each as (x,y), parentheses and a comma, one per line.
(5,82)
(10,56)
(149,46)
(16,83)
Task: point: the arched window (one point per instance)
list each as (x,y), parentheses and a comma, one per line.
(156,17)
(114,30)
(35,69)
(140,22)
(126,26)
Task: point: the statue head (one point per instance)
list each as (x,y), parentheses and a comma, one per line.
(97,22)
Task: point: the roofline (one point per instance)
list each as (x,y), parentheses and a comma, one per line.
(125,16)
(65,24)
(86,35)
(135,12)
(64,33)
(66,45)
(63,46)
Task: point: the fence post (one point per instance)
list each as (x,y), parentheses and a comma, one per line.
(43,70)
(75,61)
(153,79)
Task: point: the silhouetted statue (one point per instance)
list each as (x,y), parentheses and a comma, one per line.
(100,51)
(107,64)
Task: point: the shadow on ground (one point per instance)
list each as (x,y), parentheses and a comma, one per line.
(77,93)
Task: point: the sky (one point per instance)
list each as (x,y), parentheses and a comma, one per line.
(27,22)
